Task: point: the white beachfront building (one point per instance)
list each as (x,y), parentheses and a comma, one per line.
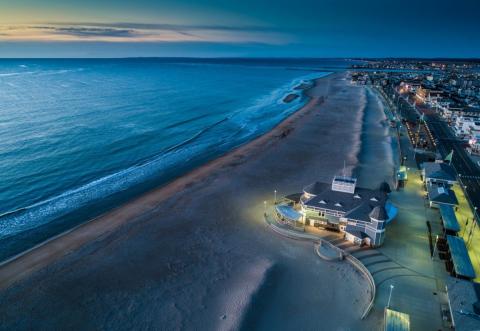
(467,127)
(360,213)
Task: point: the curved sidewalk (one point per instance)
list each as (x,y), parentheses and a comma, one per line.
(326,254)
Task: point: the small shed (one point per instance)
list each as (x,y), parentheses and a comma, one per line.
(461,260)
(449,219)
(439,195)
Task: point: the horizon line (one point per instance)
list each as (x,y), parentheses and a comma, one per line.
(251,58)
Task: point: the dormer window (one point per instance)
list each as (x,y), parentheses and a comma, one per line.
(356,196)
(338,204)
(374,199)
(323,202)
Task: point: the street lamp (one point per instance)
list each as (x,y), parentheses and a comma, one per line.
(275,197)
(265,207)
(390,295)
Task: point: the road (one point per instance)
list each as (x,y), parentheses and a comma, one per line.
(467,170)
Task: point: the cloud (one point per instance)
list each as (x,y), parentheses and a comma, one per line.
(141,32)
(175,27)
(89,31)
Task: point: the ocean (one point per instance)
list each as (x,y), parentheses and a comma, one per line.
(79,137)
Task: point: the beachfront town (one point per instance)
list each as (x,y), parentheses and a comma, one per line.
(422,227)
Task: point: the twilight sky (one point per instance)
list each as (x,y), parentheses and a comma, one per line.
(211,28)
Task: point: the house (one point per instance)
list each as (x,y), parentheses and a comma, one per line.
(438,173)
(474,145)
(360,213)
(466,127)
(428,95)
(440,195)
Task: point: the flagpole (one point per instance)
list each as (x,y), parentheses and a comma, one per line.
(450,157)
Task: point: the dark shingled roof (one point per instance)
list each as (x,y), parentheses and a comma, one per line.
(356,206)
(384,187)
(439,194)
(379,213)
(294,197)
(439,171)
(316,188)
(354,231)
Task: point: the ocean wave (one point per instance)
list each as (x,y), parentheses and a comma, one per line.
(189,120)
(40,72)
(195,136)
(26,218)
(8,74)
(356,150)
(268,105)
(243,124)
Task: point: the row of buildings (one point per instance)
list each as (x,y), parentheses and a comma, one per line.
(454,92)
(456,98)
(362,214)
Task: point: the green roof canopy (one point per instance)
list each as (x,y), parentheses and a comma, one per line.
(396,321)
(449,219)
(402,173)
(461,260)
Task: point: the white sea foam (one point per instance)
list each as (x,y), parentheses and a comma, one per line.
(248,123)
(8,74)
(23,219)
(357,137)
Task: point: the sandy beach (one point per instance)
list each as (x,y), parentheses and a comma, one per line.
(196,252)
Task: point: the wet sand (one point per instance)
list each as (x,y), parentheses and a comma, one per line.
(196,254)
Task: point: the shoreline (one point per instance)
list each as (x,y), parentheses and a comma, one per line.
(62,208)
(78,235)
(375,140)
(200,254)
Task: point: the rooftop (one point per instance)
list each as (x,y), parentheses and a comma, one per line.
(441,195)
(354,231)
(449,219)
(357,205)
(461,297)
(439,171)
(461,259)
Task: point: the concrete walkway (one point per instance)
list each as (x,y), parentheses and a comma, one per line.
(404,261)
